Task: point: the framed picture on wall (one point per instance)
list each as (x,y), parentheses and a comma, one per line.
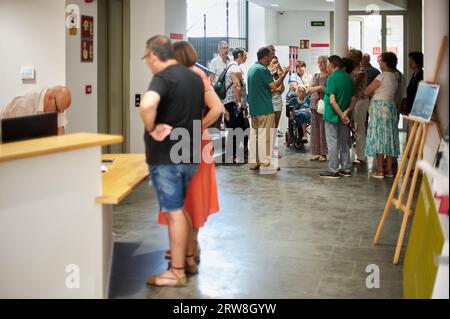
(304,44)
(87,27)
(87,51)
(87,39)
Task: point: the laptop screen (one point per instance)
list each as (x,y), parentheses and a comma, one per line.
(29,127)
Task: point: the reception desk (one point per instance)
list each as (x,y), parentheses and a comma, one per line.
(56,215)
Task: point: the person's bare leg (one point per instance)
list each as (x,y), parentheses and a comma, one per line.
(389,160)
(190,243)
(178,238)
(277,119)
(380,163)
(305,133)
(196,244)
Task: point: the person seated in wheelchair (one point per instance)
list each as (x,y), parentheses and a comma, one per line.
(300,111)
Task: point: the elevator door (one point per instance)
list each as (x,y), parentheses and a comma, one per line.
(113,71)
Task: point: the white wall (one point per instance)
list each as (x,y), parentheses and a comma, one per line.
(32,34)
(167,17)
(435,27)
(83,112)
(144,24)
(262,30)
(271,26)
(296,25)
(176,20)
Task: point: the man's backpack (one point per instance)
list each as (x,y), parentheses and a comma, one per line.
(220,86)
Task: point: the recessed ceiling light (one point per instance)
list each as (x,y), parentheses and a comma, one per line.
(329,0)
(275,5)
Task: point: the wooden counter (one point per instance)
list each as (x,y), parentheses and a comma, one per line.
(127,171)
(49,217)
(55,144)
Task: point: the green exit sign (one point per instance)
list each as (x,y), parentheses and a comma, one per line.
(317,23)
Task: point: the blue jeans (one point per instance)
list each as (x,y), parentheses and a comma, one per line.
(171,183)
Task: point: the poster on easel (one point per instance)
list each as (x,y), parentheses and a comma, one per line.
(425,102)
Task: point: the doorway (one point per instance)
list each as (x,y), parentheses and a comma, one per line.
(114,71)
(377,33)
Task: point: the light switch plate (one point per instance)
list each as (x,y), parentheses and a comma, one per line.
(28,73)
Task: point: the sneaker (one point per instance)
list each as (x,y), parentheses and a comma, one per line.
(345,174)
(254,167)
(329,175)
(280,134)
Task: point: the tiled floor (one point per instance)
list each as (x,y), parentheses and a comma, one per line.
(289,235)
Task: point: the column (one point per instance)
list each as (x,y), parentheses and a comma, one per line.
(435,27)
(341,8)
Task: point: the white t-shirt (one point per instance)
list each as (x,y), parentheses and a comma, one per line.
(231,97)
(217,66)
(304,80)
(388,88)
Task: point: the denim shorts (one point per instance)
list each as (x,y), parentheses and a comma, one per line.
(170,183)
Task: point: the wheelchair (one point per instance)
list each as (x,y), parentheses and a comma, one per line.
(294,135)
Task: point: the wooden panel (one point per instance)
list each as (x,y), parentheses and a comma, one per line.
(425,242)
(126,173)
(55,144)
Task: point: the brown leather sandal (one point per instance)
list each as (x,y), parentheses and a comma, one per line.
(190,269)
(168,255)
(179,281)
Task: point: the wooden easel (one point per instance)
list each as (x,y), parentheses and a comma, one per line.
(416,140)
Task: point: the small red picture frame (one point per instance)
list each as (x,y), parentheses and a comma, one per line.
(87,51)
(87,27)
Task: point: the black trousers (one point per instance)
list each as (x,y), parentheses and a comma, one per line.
(234,122)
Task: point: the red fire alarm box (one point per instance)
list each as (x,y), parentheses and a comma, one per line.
(88,89)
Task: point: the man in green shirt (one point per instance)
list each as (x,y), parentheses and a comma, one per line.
(339,100)
(260,85)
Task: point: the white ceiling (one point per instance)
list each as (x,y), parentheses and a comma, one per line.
(322,5)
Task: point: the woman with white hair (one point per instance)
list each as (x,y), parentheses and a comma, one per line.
(319,149)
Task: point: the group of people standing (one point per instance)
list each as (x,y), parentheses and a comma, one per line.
(181,95)
(358,99)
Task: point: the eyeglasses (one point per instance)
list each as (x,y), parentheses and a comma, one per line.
(145,56)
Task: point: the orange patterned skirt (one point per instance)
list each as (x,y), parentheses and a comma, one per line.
(202,199)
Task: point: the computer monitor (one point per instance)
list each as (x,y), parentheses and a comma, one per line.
(29,127)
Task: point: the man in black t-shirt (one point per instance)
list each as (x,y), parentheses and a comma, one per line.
(171,111)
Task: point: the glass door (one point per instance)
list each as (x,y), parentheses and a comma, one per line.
(394,38)
(365,35)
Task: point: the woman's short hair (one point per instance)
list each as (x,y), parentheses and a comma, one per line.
(390,59)
(322,58)
(417,57)
(185,53)
(301,64)
(301,88)
(236,53)
(355,55)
